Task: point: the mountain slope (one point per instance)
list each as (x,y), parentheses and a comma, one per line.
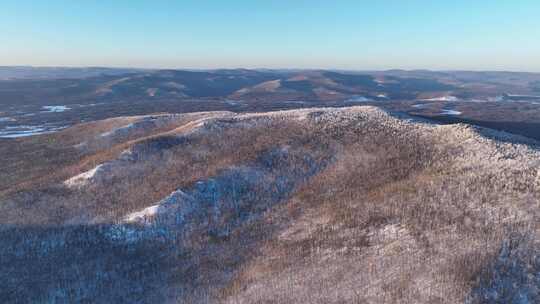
(305,206)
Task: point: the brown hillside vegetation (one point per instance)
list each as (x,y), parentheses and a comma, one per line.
(322,205)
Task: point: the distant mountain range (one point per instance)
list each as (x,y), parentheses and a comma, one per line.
(78,85)
(41,100)
(28,72)
(176,186)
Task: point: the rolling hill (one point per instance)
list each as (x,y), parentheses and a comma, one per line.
(318,205)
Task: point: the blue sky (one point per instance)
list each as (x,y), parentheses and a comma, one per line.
(409,34)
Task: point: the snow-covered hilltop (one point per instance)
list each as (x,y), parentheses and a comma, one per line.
(320,205)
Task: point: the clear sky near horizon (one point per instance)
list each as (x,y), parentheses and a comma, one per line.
(346,34)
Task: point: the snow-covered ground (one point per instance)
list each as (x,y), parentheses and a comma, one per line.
(84,178)
(143,215)
(35,127)
(232,102)
(214,214)
(443,111)
(442,98)
(24,131)
(450,112)
(151,92)
(90,104)
(496,98)
(7,119)
(55,109)
(358,99)
(522,96)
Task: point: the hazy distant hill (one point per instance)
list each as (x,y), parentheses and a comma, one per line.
(26,72)
(47,99)
(77,85)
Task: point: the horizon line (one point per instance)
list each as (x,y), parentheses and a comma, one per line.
(265,68)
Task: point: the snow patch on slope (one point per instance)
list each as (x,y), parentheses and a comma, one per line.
(450,112)
(359,99)
(24,130)
(84,178)
(55,109)
(219,204)
(143,215)
(442,98)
